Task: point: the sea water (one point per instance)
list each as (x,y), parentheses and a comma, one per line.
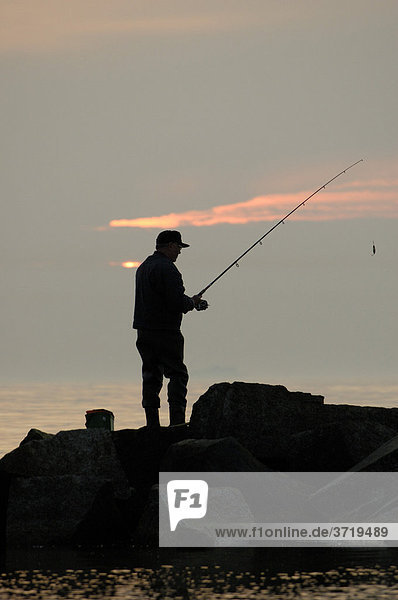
(291,574)
(53,407)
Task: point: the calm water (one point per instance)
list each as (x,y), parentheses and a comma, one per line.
(55,407)
(227,574)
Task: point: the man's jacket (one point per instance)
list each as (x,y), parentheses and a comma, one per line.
(160,300)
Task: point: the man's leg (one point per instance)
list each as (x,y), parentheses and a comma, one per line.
(176,371)
(152,375)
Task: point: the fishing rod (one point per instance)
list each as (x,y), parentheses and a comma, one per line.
(259,241)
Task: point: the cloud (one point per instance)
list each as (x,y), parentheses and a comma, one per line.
(47,25)
(378,198)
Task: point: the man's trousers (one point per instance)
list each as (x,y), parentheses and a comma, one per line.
(162,354)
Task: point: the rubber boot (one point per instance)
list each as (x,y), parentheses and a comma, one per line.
(177,415)
(152,417)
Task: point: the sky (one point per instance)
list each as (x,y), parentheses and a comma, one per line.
(123,118)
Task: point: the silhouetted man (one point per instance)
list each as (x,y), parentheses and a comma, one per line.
(160,302)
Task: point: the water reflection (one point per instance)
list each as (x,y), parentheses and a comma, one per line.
(260,576)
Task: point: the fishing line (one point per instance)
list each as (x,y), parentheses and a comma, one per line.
(259,241)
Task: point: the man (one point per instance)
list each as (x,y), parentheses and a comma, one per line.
(160,302)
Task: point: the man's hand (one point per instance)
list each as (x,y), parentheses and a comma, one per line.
(196,300)
(199,303)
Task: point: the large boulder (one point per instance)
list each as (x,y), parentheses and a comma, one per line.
(85,486)
(384,458)
(35,435)
(293,431)
(88,452)
(222,455)
(58,510)
(377,414)
(58,482)
(140,451)
(221,501)
(261,417)
(334,446)
(147,530)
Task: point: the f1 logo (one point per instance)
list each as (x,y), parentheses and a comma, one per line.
(187,499)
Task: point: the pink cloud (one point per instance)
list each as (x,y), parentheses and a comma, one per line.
(372,199)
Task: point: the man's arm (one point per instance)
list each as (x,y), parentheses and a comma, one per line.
(174,292)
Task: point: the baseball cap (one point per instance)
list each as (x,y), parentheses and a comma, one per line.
(165,237)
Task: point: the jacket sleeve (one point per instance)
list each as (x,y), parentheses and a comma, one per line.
(174,292)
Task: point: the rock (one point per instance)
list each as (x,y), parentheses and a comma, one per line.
(141,450)
(147,531)
(335,446)
(89,497)
(97,486)
(222,455)
(5,481)
(221,500)
(380,415)
(383,458)
(35,435)
(48,510)
(110,519)
(57,482)
(291,430)
(88,452)
(358,497)
(259,416)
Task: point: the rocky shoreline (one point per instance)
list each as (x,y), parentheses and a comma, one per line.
(99,487)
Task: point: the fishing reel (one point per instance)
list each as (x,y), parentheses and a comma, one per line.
(202,305)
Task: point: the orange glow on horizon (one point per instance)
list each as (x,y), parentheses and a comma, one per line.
(376,199)
(128,264)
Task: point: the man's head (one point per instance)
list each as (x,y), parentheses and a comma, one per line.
(170,243)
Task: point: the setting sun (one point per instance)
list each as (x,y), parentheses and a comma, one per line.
(128,264)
